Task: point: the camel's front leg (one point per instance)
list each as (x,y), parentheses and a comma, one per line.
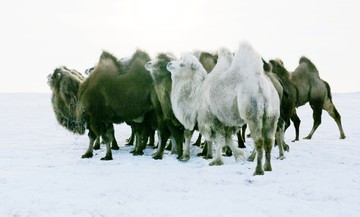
(186,146)
(89,152)
(219,144)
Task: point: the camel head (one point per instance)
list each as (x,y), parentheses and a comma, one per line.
(187,67)
(278,68)
(64,84)
(157,67)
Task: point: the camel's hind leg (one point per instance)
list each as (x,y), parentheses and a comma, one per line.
(259,145)
(268,144)
(269,130)
(331,109)
(108,138)
(97,144)
(256,134)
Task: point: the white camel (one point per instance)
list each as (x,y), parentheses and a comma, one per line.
(226,99)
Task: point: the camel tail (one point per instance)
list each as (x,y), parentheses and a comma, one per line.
(328,90)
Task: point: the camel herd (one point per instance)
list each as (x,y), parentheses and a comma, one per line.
(215,94)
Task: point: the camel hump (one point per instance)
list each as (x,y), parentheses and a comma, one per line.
(308,62)
(108,59)
(108,56)
(140,54)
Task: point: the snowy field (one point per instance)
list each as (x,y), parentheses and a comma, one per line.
(42,173)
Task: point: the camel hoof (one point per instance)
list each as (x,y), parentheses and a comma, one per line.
(137,153)
(251,159)
(281,157)
(207,157)
(87,155)
(200,154)
(308,137)
(216,163)
(184,158)
(157,157)
(107,158)
(258,173)
(342,137)
(115,147)
(286,148)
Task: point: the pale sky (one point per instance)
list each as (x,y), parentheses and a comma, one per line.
(39,35)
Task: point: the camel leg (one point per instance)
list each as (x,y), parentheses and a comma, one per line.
(207,150)
(198,141)
(317,111)
(240,139)
(243,131)
(177,139)
(331,109)
(219,140)
(92,138)
(97,144)
(164,135)
(152,138)
(238,154)
(296,121)
(257,136)
(130,140)
(139,141)
(279,136)
(107,138)
(268,143)
(114,144)
(186,146)
(251,158)
(209,147)
(259,145)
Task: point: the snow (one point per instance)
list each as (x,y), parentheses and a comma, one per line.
(42,173)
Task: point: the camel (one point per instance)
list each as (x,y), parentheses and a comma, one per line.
(221,102)
(115,94)
(64,84)
(162,85)
(316,91)
(289,100)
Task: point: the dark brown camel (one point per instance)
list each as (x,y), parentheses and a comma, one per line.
(289,100)
(313,89)
(64,84)
(112,94)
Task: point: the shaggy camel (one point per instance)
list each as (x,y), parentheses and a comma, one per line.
(64,84)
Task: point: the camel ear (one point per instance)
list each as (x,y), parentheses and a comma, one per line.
(266,66)
(194,66)
(58,75)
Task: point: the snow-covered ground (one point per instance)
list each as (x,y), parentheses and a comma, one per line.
(42,173)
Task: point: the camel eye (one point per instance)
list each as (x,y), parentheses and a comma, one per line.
(182,64)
